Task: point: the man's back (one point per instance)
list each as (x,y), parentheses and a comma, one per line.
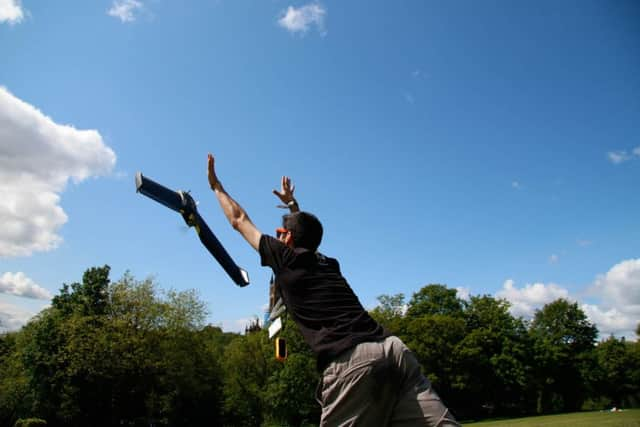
(321,302)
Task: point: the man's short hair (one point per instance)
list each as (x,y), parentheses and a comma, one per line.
(305,228)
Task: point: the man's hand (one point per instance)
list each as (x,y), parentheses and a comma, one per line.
(286,194)
(213,179)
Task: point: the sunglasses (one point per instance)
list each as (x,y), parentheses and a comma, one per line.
(281,231)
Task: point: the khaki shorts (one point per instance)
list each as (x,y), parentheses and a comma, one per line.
(379,384)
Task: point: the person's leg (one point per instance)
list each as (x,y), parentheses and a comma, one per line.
(359,388)
(418,403)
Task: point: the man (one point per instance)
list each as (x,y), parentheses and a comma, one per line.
(369,377)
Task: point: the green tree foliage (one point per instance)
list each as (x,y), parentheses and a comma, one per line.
(119,354)
(14,383)
(619,370)
(30,422)
(290,391)
(432,328)
(90,297)
(493,370)
(563,345)
(435,299)
(390,312)
(262,391)
(125,353)
(434,338)
(246,364)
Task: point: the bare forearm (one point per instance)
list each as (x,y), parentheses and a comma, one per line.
(232,210)
(237,216)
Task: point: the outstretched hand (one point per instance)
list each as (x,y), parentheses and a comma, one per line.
(286,190)
(211,171)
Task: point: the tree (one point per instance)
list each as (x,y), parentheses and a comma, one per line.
(618,370)
(14,384)
(30,422)
(435,299)
(433,339)
(290,392)
(432,328)
(563,345)
(262,391)
(247,363)
(493,369)
(123,353)
(390,312)
(90,297)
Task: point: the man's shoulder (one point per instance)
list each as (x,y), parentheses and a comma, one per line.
(270,243)
(325,260)
(273,252)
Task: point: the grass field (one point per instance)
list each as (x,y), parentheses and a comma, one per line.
(630,418)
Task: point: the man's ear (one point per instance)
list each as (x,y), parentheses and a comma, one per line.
(288,240)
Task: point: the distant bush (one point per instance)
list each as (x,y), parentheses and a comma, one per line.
(30,422)
(597,404)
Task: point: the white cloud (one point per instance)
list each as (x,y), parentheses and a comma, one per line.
(299,20)
(584,243)
(463,293)
(617,157)
(20,285)
(610,321)
(620,287)
(238,326)
(12,317)
(11,11)
(125,10)
(419,74)
(531,297)
(620,156)
(409,98)
(37,159)
(616,312)
(516,185)
(553,259)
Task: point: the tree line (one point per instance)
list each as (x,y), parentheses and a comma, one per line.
(126,353)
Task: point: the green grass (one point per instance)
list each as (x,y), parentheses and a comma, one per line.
(627,418)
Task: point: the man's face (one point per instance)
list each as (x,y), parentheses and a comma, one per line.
(284,236)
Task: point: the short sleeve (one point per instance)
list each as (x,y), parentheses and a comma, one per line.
(274,253)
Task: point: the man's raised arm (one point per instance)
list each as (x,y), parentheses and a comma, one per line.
(232,210)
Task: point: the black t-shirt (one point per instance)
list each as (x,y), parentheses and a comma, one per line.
(319,299)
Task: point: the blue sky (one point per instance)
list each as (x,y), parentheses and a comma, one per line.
(490,146)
